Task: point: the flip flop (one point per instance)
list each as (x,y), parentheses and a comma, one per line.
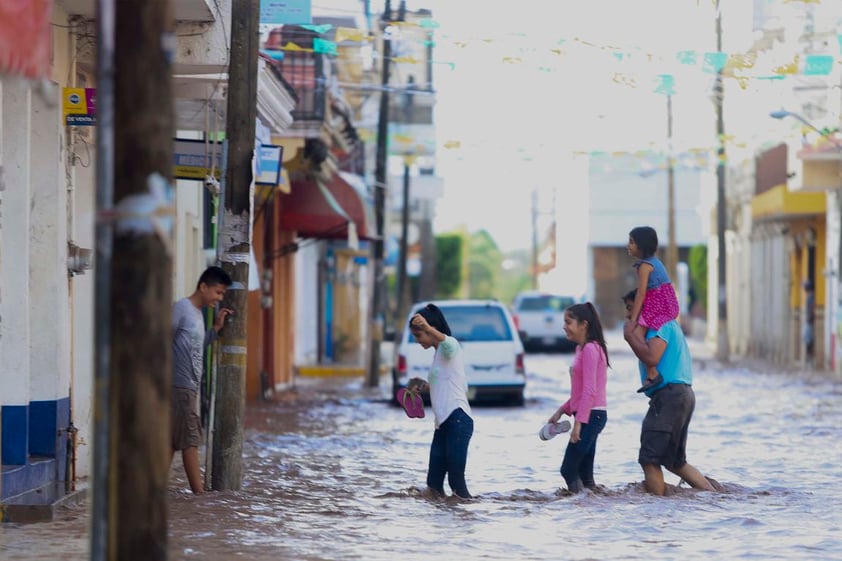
(551,430)
(412,403)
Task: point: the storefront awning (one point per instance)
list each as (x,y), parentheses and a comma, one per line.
(779,203)
(323,209)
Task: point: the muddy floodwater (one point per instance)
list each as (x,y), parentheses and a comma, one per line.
(338,475)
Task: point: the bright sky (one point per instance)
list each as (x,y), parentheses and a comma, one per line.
(518,109)
(521,86)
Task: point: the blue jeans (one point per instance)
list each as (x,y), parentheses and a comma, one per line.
(449,454)
(577,466)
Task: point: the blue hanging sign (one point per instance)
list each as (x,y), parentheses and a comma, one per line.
(279,12)
(268,164)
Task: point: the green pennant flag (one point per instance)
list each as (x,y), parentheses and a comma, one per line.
(322,46)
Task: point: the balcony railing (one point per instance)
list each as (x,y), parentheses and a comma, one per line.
(305,71)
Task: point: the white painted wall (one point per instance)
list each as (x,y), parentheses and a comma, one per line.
(82,300)
(833,299)
(48,284)
(621,199)
(307,303)
(15,114)
(771,314)
(201,48)
(189,259)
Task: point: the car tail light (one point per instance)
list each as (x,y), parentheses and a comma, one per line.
(520,367)
(517,322)
(401,364)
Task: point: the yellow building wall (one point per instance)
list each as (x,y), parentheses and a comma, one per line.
(63,71)
(780,202)
(348,292)
(271,331)
(799,262)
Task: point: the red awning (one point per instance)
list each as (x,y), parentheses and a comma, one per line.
(315,211)
(25,36)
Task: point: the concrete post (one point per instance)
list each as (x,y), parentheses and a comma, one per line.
(15,114)
(49,343)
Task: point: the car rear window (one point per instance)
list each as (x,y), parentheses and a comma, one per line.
(476,323)
(545,303)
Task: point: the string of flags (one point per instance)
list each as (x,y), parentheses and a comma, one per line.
(627,66)
(641,65)
(656,153)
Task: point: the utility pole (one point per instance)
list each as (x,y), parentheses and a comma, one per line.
(722,351)
(404,248)
(402,304)
(141,276)
(234,244)
(672,247)
(380,184)
(534,273)
(427,280)
(105,21)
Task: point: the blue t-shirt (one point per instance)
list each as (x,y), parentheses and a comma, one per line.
(676,364)
(659,274)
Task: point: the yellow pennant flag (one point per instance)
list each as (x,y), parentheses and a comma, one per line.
(789,68)
(290,46)
(350,34)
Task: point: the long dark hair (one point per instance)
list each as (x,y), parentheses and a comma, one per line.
(587,312)
(435,318)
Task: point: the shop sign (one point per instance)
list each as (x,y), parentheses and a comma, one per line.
(192,159)
(268,164)
(279,12)
(79,106)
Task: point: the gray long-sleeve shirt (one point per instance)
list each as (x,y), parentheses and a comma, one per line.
(189,339)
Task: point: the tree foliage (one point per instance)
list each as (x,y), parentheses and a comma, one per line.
(448,265)
(484,264)
(473,266)
(698,265)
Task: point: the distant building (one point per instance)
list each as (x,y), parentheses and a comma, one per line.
(631,190)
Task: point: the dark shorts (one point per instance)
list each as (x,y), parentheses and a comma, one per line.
(663,437)
(185,426)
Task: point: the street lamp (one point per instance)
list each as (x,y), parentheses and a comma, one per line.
(783,113)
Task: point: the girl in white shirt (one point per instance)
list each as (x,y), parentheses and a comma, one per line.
(448,388)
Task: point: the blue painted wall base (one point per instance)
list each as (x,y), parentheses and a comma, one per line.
(34,445)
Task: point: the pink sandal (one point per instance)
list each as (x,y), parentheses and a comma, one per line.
(412,402)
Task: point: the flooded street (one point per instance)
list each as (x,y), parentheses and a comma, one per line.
(339,474)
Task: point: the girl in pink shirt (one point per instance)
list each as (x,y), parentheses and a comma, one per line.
(587,403)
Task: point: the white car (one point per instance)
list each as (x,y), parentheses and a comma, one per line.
(492,351)
(539,318)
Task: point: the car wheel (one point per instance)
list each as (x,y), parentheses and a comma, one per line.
(517,400)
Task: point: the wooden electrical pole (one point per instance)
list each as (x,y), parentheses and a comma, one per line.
(672,246)
(376,325)
(722,344)
(235,244)
(534,220)
(141,280)
(402,300)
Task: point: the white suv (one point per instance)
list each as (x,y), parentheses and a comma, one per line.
(539,317)
(492,351)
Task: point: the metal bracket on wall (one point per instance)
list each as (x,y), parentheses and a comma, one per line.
(79,259)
